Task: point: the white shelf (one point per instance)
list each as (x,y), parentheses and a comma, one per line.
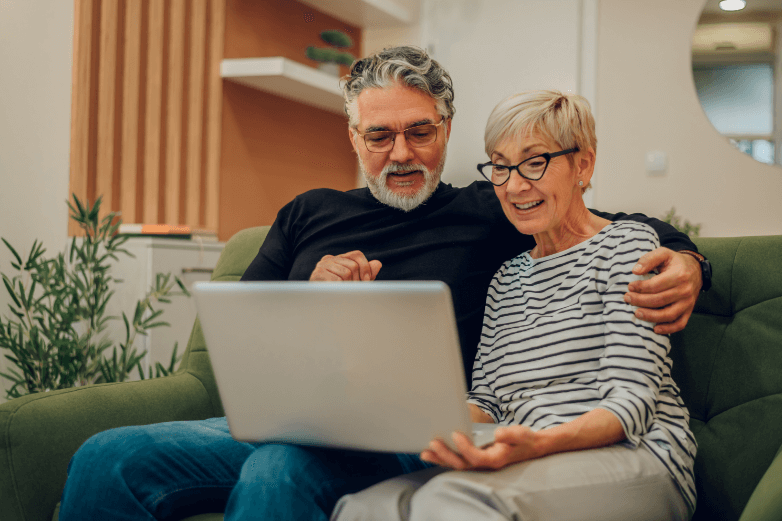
(288,79)
(364,13)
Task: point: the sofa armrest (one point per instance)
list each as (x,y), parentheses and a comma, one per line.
(765,503)
(40,432)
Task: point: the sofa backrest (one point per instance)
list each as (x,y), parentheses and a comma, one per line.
(239,251)
(728,365)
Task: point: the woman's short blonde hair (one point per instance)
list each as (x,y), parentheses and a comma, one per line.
(566,119)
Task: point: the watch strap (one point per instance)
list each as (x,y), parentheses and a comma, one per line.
(705,268)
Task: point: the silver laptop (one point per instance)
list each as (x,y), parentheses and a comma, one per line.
(358,365)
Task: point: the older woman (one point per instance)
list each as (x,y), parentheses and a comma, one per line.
(593,425)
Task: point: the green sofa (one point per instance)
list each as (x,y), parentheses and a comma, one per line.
(728,364)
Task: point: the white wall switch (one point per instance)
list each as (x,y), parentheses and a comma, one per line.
(656,162)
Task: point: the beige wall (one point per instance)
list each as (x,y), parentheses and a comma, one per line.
(647,102)
(35,96)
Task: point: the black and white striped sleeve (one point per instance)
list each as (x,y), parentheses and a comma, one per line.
(632,366)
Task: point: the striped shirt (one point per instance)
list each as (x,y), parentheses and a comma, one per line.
(558,341)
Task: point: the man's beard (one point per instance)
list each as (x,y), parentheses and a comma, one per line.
(379,188)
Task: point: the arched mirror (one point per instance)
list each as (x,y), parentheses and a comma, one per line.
(737,69)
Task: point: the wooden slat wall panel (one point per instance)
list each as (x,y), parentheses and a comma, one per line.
(146,103)
(176,82)
(153,123)
(195,110)
(214,104)
(80,101)
(130,109)
(107,92)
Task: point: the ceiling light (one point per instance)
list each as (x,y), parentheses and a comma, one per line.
(733,5)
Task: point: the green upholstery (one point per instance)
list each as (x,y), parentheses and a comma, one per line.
(728,364)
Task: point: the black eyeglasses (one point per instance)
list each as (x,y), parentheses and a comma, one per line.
(532,168)
(417,136)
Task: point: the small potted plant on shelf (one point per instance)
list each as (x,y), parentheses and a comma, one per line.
(331,58)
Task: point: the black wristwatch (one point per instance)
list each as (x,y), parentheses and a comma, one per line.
(705,268)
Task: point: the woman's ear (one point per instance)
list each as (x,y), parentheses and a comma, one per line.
(585,165)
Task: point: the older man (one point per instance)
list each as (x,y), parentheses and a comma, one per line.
(406,225)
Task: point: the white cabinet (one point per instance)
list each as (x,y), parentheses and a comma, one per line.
(190,260)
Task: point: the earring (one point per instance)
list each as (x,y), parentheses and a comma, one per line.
(581,183)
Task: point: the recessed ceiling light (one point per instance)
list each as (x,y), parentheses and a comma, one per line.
(733,5)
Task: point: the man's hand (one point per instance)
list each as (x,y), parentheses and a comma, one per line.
(668,298)
(348,266)
(511,445)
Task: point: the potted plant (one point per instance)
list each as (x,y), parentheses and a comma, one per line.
(686,227)
(56,336)
(331,58)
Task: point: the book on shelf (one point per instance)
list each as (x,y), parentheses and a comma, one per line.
(169,231)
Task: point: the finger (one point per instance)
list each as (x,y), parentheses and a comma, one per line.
(431,457)
(322,275)
(471,454)
(325,271)
(375,266)
(664,315)
(665,280)
(678,294)
(346,267)
(446,455)
(673,327)
(651,260)
(364,269)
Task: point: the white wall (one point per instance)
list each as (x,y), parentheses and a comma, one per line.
(648,102)
(36,43)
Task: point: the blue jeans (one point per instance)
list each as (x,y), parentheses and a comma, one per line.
(173,470)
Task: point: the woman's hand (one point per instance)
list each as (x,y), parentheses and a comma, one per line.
(511,445)
(516,443)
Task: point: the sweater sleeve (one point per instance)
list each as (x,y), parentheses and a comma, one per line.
(669,236)
(481,392)
(632,365)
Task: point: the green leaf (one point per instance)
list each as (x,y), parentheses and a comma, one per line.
(127,327)
(336,38)
(9,288)
(81,211)
(93,213)
(141,371)
(13,251)
(182,286)
(30,295)
(156,324)
(174,358)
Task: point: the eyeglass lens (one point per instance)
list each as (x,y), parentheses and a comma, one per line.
(383,140)
(532,169)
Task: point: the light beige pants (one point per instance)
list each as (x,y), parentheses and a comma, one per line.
(606,484)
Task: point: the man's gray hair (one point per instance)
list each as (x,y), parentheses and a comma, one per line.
(409,66)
